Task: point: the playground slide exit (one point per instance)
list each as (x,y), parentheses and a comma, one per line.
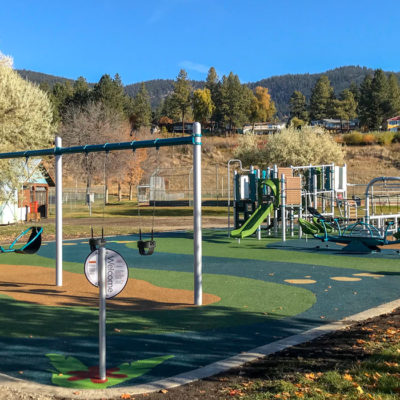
(251,225)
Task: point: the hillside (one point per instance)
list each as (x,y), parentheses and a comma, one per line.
(280,87)
(158,89)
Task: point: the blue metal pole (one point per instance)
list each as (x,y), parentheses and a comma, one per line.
(136,144)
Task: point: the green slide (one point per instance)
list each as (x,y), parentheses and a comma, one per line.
(251,225)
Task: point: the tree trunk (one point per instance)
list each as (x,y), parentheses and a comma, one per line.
(119,192)
(106,195)
(130,191)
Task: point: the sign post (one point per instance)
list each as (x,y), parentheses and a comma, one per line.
(101,262)
(108,270)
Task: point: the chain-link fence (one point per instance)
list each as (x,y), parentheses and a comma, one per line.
(163,185)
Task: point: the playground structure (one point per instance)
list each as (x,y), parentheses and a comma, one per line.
(294,190)
(273,199)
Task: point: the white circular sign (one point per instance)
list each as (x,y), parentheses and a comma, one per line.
(116,272)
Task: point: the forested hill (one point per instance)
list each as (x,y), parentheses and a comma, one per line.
(280,87)
(158,89)
(39,77)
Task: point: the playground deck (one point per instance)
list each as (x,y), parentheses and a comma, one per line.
(257,292)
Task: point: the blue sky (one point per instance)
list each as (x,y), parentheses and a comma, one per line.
(152,39)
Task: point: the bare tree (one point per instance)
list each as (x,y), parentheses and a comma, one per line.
(94,124)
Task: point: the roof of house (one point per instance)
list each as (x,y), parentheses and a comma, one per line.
(394,118)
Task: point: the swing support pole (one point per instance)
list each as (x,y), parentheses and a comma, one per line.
(197,236)
(59,221)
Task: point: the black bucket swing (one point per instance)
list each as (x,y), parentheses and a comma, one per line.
(146,247)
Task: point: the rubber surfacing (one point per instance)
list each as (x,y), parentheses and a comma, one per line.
(255,293)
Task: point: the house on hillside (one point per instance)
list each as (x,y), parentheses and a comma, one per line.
(177,127)
(337,125)
(264,128)
(31,201)
(393,124)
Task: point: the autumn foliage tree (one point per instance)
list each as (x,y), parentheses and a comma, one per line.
(203,106)
(265,106)
(26,119)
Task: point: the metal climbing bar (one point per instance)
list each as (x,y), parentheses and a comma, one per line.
(93,148)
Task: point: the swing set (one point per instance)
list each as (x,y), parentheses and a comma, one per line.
(146,247)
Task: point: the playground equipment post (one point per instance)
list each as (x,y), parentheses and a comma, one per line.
(59,221)
(101,265)
(197,239)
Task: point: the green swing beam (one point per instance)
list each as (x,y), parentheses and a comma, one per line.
(106,147)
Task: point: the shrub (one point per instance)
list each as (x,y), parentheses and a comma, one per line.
(384,138)
(301,147)
(396,138)
(247,149)
(368,138)
(353,138)
(290,147)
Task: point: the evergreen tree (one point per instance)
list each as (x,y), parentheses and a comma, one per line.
(321,99)
(394,96)
(111,93)
(181,95)
(355,90)
(365,111)
(232,110)
(60,97)
(81,92)
(141,108)
(298,106)
(168,109)
(345,108)
(380,106)
(213,85)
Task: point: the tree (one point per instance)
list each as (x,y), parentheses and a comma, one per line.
(26,122)
(203,107)
(169,109)
(213,84)
(94,124)
(355,90)
(232,110)
(82,93)
(345,107)
(394,96)
(26,118)
(380,106)
(321,99)
(6,61)
(141,109)
(60,97)
(265,106)
(181,95)
(298,106)
(365,111)
(110,92)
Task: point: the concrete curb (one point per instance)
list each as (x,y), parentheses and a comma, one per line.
(204,372)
